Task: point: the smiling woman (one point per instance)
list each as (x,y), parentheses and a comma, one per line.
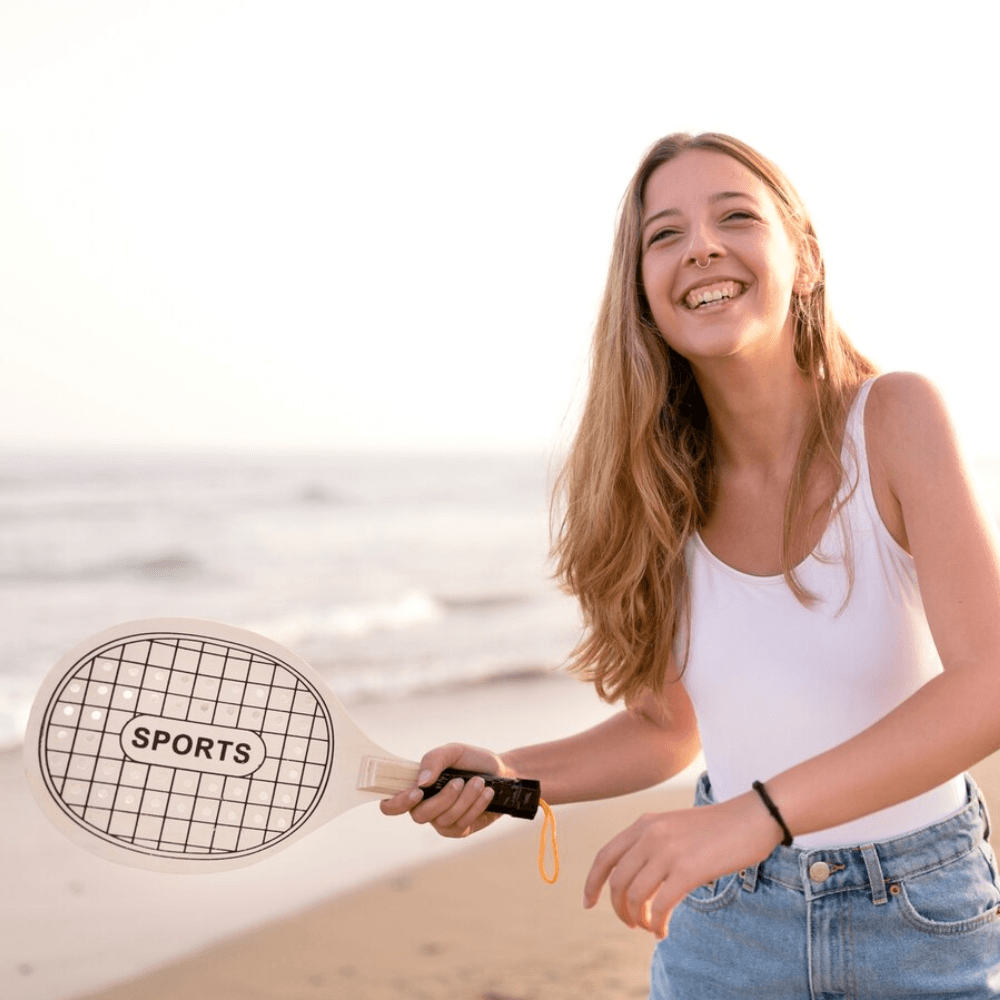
(747,263)
(757,526)
(699,211)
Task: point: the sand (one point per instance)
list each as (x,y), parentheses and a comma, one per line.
(72,923)
(481,925)
(364,909)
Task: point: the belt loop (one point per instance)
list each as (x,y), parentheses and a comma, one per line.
(749,877)
(875,878)
(985,813)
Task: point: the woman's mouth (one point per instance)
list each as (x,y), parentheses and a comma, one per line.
(706,296)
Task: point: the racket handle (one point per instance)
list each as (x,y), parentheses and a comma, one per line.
(512,796)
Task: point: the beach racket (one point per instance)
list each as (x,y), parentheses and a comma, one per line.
(181,745)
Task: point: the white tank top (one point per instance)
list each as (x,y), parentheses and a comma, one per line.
(774,683)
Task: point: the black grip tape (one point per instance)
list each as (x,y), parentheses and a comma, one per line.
(512,796)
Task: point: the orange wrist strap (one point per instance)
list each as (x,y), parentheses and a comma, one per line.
(550,820)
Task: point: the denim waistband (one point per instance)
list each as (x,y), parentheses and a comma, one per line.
(820,871)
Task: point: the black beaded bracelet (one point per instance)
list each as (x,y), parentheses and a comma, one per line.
(759,788)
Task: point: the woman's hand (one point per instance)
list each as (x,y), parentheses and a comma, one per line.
(659,859)
(460,807)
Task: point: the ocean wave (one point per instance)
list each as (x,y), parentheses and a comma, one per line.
(168,566)
(483,602)
(375,684)
(316,494)
(352,620)
(163,566)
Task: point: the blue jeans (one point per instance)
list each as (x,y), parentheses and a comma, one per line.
(916,916)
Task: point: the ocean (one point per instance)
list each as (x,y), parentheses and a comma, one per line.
(391,575)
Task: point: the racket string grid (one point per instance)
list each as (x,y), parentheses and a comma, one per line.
(177,810)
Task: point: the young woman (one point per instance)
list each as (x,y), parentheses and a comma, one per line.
(779,561)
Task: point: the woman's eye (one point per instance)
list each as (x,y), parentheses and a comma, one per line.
(740,216)
(662,234)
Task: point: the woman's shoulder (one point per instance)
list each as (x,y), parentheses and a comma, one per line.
(893,390)
(910,443)
(904,416)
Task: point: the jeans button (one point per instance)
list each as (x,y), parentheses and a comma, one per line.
(819,871)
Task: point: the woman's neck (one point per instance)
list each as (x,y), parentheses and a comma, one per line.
(759,415)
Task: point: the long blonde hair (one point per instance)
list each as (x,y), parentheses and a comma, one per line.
(640,477)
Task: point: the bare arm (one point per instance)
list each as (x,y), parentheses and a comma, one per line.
(949,724)
(632,750)
(954,720)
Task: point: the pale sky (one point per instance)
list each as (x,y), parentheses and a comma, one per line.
(386,225)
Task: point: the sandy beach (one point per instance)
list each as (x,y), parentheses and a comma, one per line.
(365,908)
(72,923)
(481,925)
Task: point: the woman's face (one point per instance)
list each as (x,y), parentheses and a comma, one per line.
(718,266)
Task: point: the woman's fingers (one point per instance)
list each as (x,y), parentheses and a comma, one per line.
(604,864)
(632,885)
(632,869)
(644,867)
(659,909)
(431,766)
(653,864)
(465,815)
(401,803)
(458,809)
(451,803)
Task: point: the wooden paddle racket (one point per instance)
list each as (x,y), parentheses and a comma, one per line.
(181,745)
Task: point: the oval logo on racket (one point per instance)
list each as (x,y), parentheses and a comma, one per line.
(193,746)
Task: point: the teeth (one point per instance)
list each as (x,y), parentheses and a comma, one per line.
(712,293)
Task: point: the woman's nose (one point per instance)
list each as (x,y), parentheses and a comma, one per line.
(703,248)
(702,259)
